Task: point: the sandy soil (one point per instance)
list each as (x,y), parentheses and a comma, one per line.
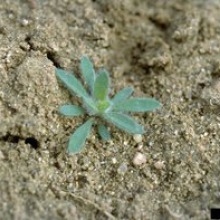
(165,49)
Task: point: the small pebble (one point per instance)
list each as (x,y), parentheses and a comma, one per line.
(159,165)
(24,22)
(140,146)
(138,138)
(2,156)
(139,159)
(114,160)
(123,168)
(217,86)
(125,143)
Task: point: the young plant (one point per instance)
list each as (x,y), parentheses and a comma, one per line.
(98,104)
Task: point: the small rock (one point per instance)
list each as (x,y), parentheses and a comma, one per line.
(159,165)
(216,86)
(114,160)
(24,22)
(138,138)
(139,159)
(2,156)
(140,146)
(125,143)
(123,168)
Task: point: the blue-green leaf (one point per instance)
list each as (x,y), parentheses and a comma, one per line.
(71,110)
(71,82)
(101,85)
(103,132)
(75,86)
(88,72)
(122,95)
(124,122)
(78,138)
(137,105)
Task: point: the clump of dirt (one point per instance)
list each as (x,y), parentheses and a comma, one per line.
(165,49)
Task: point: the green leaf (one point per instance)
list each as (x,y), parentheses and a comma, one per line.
(124,122)
(71,110)
(88,72)
(103,132)
(78,138)
(137,105)
(101,85)
(122,95)
(71,82)
(75,86)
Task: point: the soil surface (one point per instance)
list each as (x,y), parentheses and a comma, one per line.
(169,50)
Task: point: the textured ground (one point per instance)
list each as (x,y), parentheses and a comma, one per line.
(165,49)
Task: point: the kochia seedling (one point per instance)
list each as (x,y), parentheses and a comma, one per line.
(96,103)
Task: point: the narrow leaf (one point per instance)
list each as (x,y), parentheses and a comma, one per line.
(74,85)
(88,72)
(122,95)
(101,85)
(71,110)
(78,138)
(103,132)
(124,122)
(137,105)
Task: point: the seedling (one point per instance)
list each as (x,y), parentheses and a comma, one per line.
(97,104)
